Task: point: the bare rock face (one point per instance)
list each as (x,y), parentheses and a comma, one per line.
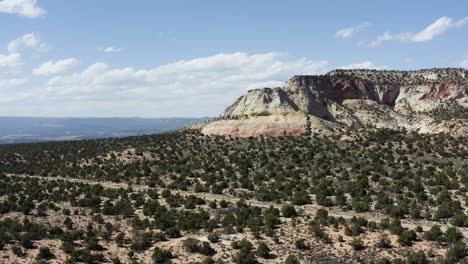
(427,101)
(262,102)
(427,97)
(273,125)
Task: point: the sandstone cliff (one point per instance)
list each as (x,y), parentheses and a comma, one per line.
(426,101)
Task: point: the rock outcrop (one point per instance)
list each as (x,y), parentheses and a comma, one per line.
(426,101)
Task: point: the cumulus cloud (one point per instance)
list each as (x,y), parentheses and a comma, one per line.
(10,63)
(110,49)
(363,65)
(26,8)
(197,87)
(435,29)
(53,67)
(30,40)
(350,31)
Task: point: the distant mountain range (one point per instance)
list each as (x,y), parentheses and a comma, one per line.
(39,129)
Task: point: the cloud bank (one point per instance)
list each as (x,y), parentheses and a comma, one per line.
(26,8)
(11,83)
(54,67)
(10,63)
(197,87)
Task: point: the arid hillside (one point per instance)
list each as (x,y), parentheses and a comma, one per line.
(367,196)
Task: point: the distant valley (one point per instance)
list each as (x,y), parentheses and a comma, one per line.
(40,129)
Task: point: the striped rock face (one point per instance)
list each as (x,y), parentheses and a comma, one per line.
(412,100)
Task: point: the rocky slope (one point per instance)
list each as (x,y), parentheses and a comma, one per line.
(426,101)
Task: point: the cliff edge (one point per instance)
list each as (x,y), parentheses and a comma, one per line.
(425,101)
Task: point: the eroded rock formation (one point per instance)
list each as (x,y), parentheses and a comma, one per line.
(426,101)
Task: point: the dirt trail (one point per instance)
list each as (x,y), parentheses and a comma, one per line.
(308,209)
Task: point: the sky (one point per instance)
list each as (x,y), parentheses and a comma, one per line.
(148,58)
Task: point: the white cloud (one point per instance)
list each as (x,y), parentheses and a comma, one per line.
(363,65)
(380,39)
(350,31)
(435,29)
(197,87)
(26,8)
(30,40)
(461,22)
(11,83)
(110,49)
(10,63)
(53,67)
(438,27)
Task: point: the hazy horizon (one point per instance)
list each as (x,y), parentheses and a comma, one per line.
(40,129)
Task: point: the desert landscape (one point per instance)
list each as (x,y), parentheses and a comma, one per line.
(233,132)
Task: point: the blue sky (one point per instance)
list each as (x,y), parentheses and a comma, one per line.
(193,58)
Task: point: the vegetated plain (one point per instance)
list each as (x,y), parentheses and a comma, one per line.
(41,129)
(370,196)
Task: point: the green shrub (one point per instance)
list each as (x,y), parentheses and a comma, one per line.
(291,259)
(191,245)
(214,237)
(384,242)
(161,256)
(300,244)
(263,250)
(406,238)
(452,235)
(321,216)
(434,234)
(417,258)
(456,253)
(245,254)
(45,253)
(357,244)
(288,211)
(206,249)
(18,251)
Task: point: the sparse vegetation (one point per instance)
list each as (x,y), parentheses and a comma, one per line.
(148,194)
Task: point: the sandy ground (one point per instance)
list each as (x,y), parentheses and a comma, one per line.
(334,252)
(310,209)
